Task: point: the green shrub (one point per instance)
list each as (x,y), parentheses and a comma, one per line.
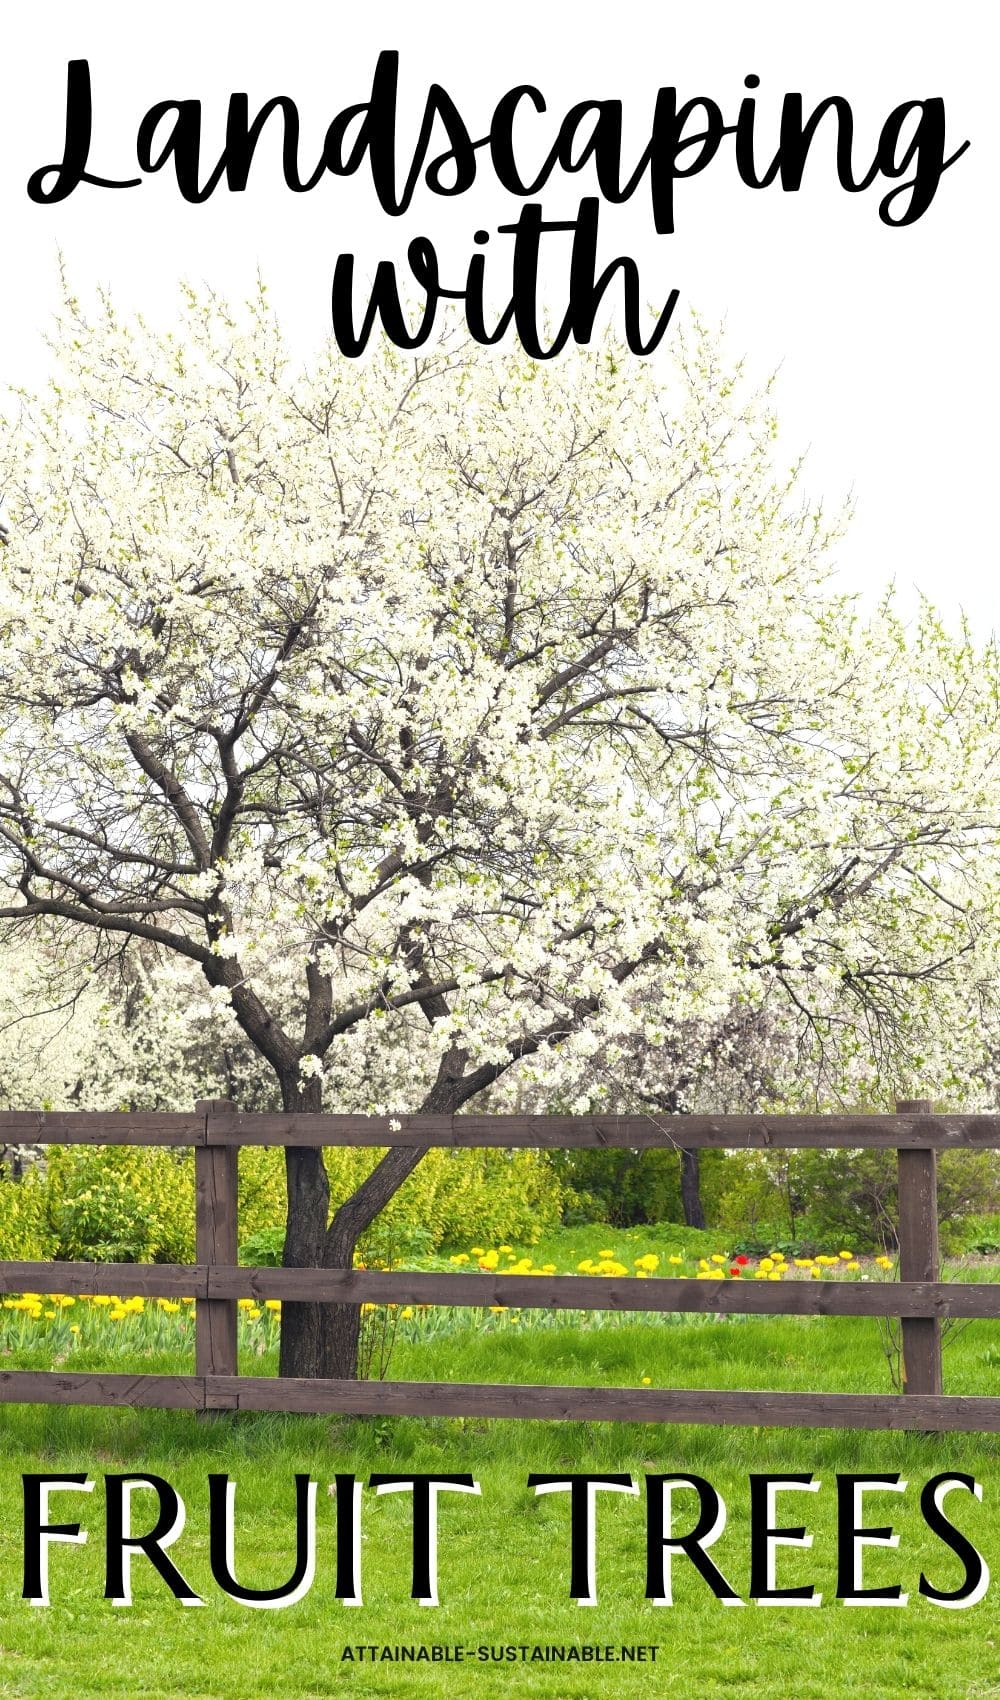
(263,1249)
(819,1197)
(981,1234)
(759,1205)
(628,1189)
(135,1204)
(459,1196)
(384,1244)
(25,1230)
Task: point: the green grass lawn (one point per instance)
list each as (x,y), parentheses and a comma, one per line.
(504,1558)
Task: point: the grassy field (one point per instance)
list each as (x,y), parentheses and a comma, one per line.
(504,1558)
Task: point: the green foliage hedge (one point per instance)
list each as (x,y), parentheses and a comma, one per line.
(135,1204)
(630,1188)
(818,1196)
(126,1204)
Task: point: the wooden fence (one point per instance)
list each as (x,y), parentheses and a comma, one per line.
(216,1131)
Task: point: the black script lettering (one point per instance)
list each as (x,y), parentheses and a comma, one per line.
(72,168)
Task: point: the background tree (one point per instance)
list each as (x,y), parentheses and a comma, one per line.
(458,715)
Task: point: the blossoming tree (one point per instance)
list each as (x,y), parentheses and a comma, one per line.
(456,715)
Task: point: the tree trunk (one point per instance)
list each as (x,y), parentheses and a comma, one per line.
(308,1332)
(694,1214)
(322,1339)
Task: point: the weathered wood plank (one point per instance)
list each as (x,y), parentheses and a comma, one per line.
(759,1132)
(919,1258)
(56,1387)
(92,1127)
(633,1132)
(216,1237)
(607,1292)
(521,1292)
(150,1280)
(960,1414)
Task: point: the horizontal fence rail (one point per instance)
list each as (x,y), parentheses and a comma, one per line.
(519,1292)
(638,1133)
(919,1299)
(960,1413)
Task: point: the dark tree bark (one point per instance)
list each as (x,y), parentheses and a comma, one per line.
(694,1213)
(306,1333)
(322,1339)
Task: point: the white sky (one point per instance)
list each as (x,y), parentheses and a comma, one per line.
(886,339)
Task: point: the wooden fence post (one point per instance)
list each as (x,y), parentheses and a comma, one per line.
(918,1254)
(216,1241)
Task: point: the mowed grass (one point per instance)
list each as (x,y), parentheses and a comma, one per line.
(504,1557)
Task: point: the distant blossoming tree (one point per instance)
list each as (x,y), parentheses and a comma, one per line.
(458,715)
